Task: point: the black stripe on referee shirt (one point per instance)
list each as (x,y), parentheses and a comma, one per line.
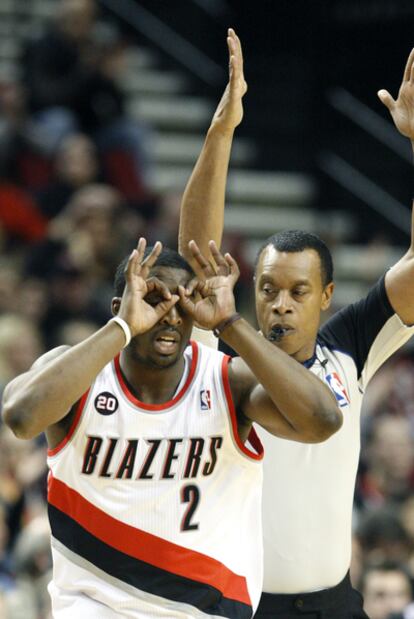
(140,574)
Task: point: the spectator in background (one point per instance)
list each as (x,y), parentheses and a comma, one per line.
(70,76)
(89,235)
(32,564)
(84,245)
(76,165)
(75,331)
(386,588)
(20,345)
(382,536)
(388,461)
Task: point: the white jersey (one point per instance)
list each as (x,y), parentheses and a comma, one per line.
(308,489)
(155,509)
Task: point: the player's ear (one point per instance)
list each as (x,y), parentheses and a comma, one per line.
(327,296)
(115,305)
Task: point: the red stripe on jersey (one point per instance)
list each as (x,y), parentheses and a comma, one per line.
(74,425)
(158,407)
(146,546)
(255,441)
(253,438)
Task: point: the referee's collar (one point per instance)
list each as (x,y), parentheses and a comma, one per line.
(309,362)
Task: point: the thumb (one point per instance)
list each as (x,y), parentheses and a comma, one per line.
(385,98)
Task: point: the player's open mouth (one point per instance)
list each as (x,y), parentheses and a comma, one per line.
(166,344)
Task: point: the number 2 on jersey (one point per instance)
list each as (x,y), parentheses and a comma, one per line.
(189,494)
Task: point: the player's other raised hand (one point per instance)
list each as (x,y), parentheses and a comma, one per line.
(402,108)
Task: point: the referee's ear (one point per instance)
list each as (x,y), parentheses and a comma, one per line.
(327,296)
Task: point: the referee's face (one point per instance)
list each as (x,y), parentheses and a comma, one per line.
(289,299)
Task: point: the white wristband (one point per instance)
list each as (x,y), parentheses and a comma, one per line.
(125,328)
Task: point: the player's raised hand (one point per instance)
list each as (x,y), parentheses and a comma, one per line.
(402,109)
(229,112)
(145,299)
(214,300)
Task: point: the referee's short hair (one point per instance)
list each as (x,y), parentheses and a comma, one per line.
(296,241)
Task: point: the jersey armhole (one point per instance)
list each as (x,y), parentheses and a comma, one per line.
(256,452)
(74,425)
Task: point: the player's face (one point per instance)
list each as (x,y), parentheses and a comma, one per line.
(163,345)
(290,295)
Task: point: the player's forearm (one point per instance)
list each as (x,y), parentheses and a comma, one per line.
(202,209)
(30,406)
(301,397)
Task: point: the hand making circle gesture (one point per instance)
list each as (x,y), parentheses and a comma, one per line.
(138,313)
(215,301)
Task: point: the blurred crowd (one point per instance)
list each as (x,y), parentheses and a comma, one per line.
(75,194)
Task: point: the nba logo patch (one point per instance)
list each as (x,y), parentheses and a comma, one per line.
(338,389)
(205,402)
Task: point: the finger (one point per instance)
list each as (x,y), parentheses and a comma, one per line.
(235,64)
(385,98)
(237,81)
(130,266)
(239,50)
(156,285)
(164,307)
(238,46)
(142,243)
(197,287)
(203,263)
(185,302)
(151,259)
(218,257)
(192,286)
(233,266)
(407,70)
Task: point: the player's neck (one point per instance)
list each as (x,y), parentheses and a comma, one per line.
(149,384)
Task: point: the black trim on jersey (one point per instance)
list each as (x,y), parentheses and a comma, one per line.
(354,328)
(140,574)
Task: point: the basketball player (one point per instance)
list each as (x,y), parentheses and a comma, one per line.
(308,489)
(154,494)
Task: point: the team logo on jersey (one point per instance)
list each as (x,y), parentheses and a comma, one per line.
(106,403)
(205,400)
(338,389)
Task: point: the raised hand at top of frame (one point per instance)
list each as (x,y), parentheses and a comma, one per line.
(402,108)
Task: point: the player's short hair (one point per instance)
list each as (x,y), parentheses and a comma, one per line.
(296,241)
(167,258)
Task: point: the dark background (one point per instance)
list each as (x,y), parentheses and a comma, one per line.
(296,52)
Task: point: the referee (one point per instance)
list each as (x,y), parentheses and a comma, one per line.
(308,489)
